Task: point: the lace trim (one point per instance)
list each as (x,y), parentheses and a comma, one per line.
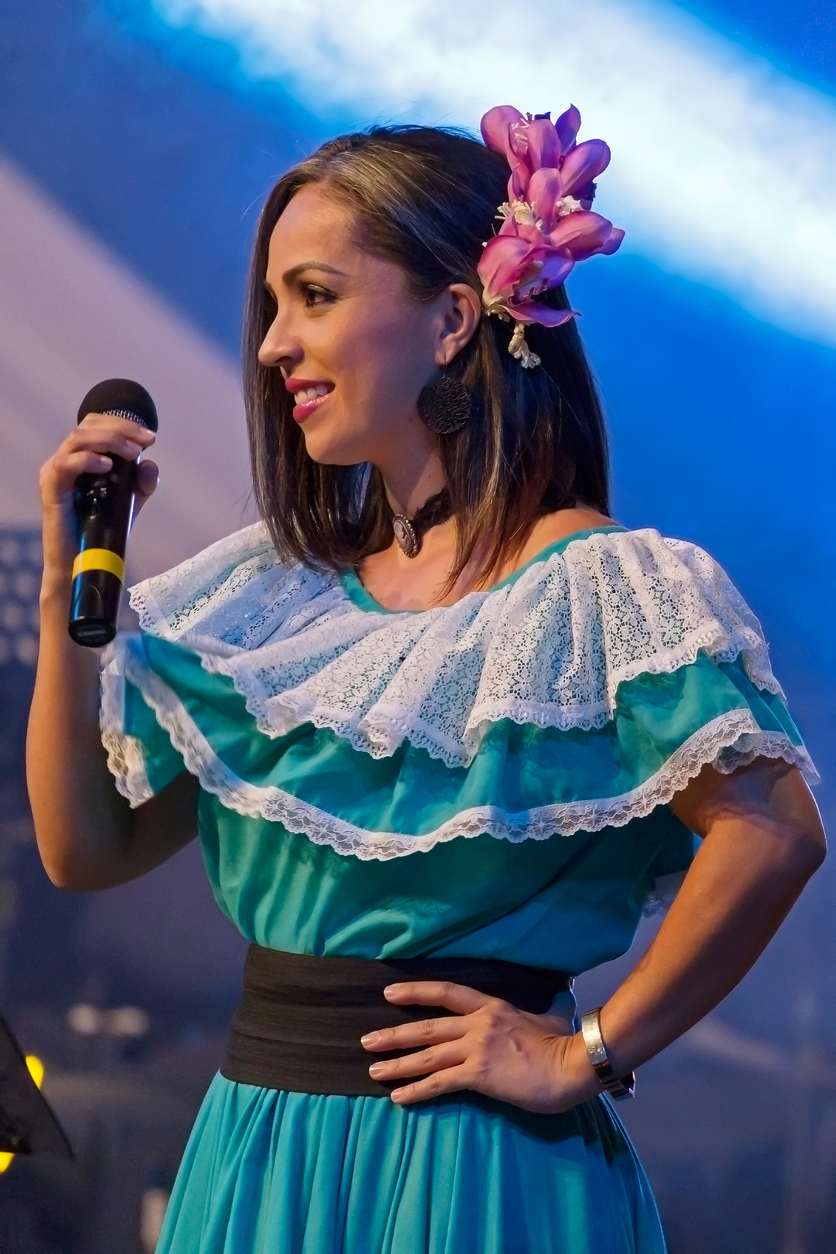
(550,649)
(708,744)
(125,755)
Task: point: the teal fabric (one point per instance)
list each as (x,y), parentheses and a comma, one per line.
(518,768)
(268,1172)
(566,902)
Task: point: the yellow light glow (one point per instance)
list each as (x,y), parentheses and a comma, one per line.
(36,1070)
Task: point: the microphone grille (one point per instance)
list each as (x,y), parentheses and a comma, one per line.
(121,397)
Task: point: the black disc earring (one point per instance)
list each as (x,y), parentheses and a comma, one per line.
(444,404)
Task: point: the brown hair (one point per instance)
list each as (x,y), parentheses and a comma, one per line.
(426,198)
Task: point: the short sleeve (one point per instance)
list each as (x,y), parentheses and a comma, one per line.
(141,756)
(579,697)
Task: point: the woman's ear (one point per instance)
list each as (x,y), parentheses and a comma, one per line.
(462,310)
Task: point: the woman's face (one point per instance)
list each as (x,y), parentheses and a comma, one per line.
(353,344)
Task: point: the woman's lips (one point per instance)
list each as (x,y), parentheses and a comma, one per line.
(305,408)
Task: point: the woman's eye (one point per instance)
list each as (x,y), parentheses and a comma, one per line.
(316,295)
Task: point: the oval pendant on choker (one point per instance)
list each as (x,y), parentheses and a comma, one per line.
(405,535)
(409,532)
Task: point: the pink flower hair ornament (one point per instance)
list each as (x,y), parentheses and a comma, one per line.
(547,222)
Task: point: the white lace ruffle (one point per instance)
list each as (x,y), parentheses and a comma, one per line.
(550,648)
(125,755)
(716,742)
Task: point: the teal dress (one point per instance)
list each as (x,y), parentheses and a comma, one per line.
(489,779)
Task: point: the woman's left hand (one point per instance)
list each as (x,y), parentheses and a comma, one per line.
(487,1045)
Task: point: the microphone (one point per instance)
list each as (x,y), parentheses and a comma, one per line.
(104,508)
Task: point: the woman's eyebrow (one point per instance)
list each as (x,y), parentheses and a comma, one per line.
(293,273)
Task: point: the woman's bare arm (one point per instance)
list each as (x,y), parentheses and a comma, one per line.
(88,836)
(762,840)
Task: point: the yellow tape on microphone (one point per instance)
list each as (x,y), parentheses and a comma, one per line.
(99,559)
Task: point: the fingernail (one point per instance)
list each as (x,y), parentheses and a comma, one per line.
(369,1038)
(376,1068)
(391,988)
(396,1095)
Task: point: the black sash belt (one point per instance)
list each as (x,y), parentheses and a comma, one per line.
(300,1018)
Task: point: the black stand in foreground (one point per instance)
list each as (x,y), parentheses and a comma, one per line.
(27,1124)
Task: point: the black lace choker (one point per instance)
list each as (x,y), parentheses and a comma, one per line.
(409,532)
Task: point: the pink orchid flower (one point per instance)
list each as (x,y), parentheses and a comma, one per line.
(513,273)
(536,143)
(548,224)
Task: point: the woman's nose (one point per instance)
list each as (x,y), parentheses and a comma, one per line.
(278,347)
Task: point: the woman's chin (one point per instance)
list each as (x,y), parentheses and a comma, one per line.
(329,452)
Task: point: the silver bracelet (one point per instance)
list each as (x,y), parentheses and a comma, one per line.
(618,1087)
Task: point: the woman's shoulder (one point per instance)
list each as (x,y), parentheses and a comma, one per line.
(550,530)
(627,581)
(623,602)
(584,534)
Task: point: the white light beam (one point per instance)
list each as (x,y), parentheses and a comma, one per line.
(723,168)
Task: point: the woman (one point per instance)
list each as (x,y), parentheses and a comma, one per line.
(442,725)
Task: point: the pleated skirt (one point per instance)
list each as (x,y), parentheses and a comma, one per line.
(269,1172)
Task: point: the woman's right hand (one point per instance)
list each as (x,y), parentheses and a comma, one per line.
(86,450)
(88,836)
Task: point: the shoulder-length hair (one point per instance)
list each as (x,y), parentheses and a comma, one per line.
(426,198)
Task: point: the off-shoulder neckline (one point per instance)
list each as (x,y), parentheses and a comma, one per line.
(358,594)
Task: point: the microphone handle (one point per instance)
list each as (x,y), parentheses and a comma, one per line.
(104,506)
